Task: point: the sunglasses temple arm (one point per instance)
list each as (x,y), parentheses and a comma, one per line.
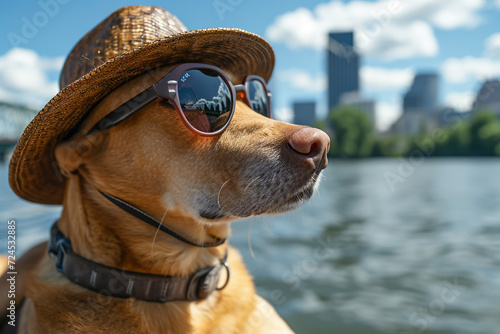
(125,110)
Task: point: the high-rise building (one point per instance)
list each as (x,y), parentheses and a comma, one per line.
(354,99)
(304,113)
(423,94)
(488,97)
(410,123)
(343,66)
(419,105)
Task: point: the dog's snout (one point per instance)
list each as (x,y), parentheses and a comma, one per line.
(310,144)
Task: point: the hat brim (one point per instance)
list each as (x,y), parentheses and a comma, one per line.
(33,172)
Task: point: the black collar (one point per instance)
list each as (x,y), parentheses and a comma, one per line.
(129,284)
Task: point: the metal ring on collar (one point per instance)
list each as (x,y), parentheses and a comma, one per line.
(226,265)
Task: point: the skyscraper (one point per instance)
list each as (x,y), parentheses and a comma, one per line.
(423,94)
(354,99)
(343,66)
(304,113)
(419,105)
(488,97)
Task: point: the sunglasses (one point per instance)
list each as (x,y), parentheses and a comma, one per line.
(202,95)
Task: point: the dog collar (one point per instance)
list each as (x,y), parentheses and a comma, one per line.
(129,284)
(155,223)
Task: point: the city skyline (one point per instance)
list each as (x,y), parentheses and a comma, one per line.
(396,39)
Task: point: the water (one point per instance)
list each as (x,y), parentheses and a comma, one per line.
(362,257)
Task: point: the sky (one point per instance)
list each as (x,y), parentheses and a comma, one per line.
(458,39)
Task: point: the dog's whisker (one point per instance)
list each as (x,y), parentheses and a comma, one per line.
(262,221)
(205,228)
(246,188)
(301,200)
(274,176)
(248,185)
(220,190)
(316,188)
(250,240)
(158,229)
(316,193)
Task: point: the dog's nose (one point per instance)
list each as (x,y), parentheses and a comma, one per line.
(310,144)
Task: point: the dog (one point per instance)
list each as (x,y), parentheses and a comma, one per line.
(257,166)
(194,185)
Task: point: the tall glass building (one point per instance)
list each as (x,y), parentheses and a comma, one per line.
(304,113)
(488,97)
(343,66)
(423,94)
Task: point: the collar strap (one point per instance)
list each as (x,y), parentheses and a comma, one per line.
(129,284)
(155,223)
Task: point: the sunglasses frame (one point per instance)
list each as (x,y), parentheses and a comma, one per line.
(167,88)
(246,83)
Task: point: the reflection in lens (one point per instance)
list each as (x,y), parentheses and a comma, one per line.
(205,99)
(257,95)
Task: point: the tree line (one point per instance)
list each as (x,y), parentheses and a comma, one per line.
(353,136)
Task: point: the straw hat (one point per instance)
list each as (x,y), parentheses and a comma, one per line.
(128,43)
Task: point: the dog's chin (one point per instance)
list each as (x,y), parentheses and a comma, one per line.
(294,198)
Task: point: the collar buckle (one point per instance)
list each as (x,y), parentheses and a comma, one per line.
(205,281)
(58,248)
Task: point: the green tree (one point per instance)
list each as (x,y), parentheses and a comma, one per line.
(353,133)
(389,146)
(490,138)
(483,134)
(458,141)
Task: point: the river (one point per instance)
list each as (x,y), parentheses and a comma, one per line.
(383,247)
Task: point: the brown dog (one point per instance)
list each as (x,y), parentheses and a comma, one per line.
(257,166)
(109,271)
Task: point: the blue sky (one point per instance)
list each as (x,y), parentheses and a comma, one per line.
(459,39)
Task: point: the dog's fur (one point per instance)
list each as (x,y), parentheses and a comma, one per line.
(196,186)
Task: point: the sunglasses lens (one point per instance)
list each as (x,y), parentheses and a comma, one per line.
(257,94)
(205,99)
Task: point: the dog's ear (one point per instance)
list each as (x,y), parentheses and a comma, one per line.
(76,151)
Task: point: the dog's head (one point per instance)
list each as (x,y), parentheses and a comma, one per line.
(256,166)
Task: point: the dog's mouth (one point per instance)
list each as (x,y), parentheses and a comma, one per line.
(296,198)
(304,194)
(262,200)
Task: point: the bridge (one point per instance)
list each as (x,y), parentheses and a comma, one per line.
(13,119)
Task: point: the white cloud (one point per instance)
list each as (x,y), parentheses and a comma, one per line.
(492,45)
(461,70)
(283,114)
(24,77)
(385,79)
(302,80)
(297,29)
(413,40)
(384,28)
(386,114)
(461,101)
(446,14)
